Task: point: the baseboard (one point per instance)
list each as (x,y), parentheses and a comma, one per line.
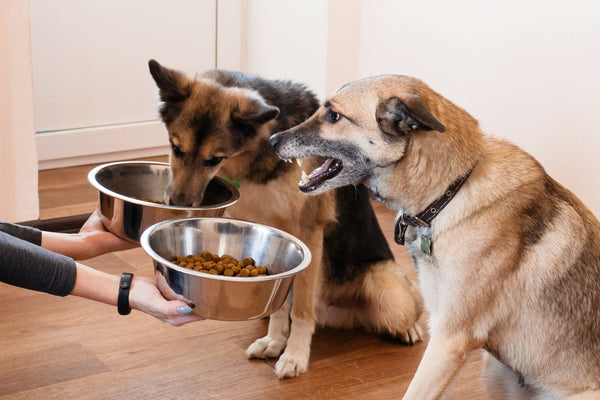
(101,144)
(71,224)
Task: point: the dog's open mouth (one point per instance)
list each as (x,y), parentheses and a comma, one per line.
(330,168)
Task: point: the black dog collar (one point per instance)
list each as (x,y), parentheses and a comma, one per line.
(123,300)
(425,217)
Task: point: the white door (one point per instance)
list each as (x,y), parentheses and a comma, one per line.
(94,98)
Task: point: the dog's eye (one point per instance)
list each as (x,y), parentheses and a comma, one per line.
(177,151)
(213,162)
(333,116)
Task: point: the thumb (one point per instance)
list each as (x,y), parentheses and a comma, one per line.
(180,313)
(180,308)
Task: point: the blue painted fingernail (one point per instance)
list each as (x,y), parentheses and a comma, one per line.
(184,309)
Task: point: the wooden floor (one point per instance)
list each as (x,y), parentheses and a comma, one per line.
(71,348)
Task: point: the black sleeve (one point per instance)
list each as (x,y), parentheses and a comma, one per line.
(28,233)
(25,264)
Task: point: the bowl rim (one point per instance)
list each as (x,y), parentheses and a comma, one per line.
(94,182)
(145,244)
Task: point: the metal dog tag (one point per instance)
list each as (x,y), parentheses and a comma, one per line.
(426,245)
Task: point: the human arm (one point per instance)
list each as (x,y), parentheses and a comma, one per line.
(143,295)
(92,240)
(25,264)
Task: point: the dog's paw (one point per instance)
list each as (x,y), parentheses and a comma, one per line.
(413,335)
(266,347)
(290,366)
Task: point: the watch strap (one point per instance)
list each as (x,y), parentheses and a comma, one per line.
(123,300)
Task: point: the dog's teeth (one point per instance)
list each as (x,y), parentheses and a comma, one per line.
(304,177)
(299,162)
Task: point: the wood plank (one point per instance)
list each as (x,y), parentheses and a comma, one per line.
(32,371)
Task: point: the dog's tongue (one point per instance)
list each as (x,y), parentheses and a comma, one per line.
(322,169)
(330,168)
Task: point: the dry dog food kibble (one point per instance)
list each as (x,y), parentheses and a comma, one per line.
(221,265)
(144,198)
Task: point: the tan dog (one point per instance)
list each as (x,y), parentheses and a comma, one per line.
(219,124)
(508,262)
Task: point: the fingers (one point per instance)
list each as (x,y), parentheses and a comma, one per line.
(182,314)
(146,297)
(184,309)
(182,320)
(178,313)
(94,222)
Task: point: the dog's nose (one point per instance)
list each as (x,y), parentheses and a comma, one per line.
(179,199)
(274,140)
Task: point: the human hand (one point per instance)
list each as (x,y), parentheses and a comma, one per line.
(100,241)
(91,241)
(145,296)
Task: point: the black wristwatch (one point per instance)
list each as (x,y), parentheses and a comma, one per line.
(123,300)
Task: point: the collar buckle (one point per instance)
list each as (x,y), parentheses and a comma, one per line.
(402,222)
(400,229)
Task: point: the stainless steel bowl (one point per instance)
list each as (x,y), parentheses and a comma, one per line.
(122,185)
(217,296)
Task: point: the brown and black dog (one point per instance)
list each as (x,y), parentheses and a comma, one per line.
(219,124)
(508,260)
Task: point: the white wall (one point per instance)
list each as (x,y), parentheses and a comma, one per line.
(528,70)
(343,40)
(287,40)
(18,160)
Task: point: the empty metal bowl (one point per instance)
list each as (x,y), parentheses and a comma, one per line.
(217,296)
(122,186)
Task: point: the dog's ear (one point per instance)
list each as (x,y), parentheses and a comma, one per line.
(173,85)
(253,109)
(395,116)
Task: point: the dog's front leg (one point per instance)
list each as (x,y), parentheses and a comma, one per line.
(443,358)
(295,358)
(273,344)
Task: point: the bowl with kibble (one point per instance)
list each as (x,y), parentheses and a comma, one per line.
(131,197)
(226,269)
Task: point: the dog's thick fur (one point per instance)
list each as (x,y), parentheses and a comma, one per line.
(515,261)
(219,124)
